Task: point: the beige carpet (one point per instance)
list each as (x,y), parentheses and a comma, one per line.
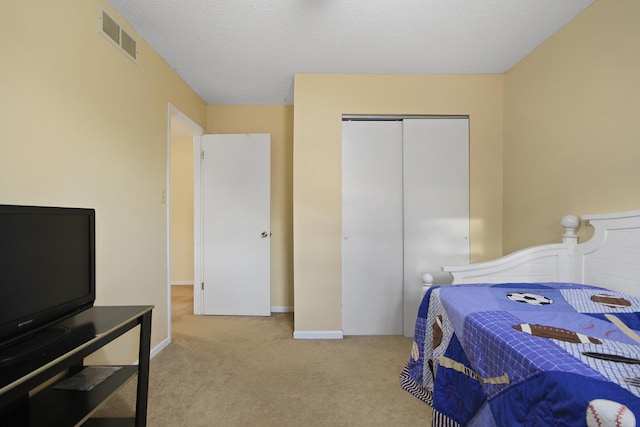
(249,371)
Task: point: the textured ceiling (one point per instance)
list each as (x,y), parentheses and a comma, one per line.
(247,51)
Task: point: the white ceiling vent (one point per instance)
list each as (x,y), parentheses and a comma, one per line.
(119,37)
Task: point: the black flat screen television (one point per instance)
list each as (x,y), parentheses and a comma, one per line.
(47,267)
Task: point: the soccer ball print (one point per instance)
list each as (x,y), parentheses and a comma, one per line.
(529,298)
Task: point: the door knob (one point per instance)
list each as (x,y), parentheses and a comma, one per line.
(264,234)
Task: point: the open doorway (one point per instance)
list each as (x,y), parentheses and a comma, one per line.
(182,132)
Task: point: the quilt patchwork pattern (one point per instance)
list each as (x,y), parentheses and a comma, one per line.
(526,354)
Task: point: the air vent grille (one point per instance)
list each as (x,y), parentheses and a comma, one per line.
(119,37)
(110,28)
(128,44)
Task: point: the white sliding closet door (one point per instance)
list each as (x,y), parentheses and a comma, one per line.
(372,228)
(405,211)
(436,202)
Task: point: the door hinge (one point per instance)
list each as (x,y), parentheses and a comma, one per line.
(202,286)
(202,155)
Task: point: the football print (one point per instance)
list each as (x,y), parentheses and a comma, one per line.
(556,333)
(528,298)
(437,331)
(610,300)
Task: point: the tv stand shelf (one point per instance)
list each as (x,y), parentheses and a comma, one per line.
(89,331)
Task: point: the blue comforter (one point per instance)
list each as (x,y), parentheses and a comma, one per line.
(513,354)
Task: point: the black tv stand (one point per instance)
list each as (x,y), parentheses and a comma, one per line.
(17,350)
(61,357)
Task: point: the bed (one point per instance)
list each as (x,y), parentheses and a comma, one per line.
(545,336)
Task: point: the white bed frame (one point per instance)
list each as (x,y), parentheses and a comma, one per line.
(611,258)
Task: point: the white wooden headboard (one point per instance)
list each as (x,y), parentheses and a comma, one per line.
(611,258)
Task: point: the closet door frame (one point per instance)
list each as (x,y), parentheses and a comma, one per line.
(363,277)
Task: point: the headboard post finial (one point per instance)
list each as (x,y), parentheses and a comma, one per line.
(427,279)
(427,282)
(570,223)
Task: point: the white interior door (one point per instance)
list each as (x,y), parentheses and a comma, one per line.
(372,228)
(436,202)
(236,224)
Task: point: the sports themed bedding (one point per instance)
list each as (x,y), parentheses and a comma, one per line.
(555,354)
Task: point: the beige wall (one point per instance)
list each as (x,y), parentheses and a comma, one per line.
(182,211)
(276,120)
(572,127)
(83,125)
(320,102)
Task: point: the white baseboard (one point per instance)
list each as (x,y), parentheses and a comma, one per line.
(281,309)
(317,335)
(158,348)
(182,283)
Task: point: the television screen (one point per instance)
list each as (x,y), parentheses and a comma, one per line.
(47,266)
